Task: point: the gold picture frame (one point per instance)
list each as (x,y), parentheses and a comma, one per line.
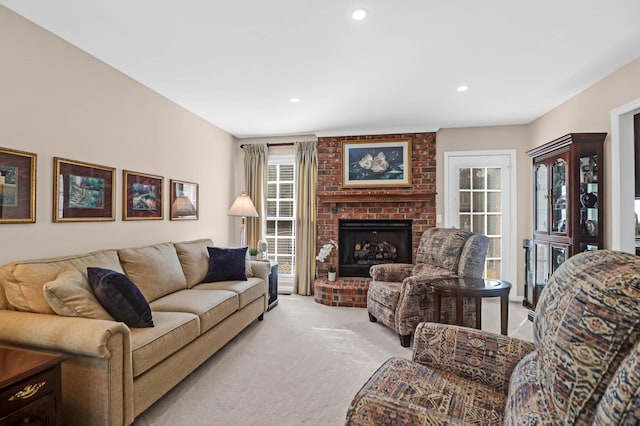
(17,186)
(83,192)
(142,196)
(183,200)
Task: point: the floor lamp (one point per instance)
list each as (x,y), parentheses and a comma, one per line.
(243,207)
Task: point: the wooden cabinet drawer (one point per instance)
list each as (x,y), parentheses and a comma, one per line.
(38,412)
(26,391)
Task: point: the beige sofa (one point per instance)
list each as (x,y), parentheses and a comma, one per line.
(113,373)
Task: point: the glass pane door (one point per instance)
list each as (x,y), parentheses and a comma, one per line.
(558,255)
(542,198)
(480,210)
(542,267)
(589,195)
(559,175)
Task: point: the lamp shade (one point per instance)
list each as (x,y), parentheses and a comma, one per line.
(243,206)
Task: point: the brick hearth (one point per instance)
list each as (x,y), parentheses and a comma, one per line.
(334,203)
(351,292)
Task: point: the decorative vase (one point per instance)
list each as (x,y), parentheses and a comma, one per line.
(332,276)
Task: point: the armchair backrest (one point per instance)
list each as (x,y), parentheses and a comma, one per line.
(459,251)
(587,321)
(474,253)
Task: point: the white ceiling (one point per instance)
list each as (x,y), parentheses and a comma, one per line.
(237,63)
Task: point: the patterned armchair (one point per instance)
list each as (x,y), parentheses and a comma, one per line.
(399,294)
(583,367)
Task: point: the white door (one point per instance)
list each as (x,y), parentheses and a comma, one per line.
(480,196)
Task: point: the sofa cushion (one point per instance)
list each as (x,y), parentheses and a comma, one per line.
(211,306)
(442,247)
(194,259)
(226,264)
(24,281)
(4,304)
(385,293)
(247,291)
(120,297)
(155,269)
(70,295)
(172,332)
(406,392)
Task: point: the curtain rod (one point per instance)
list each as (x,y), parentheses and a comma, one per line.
(272,144)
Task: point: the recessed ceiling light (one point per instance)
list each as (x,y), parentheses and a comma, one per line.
(294,100)
(463,88)
(359,14)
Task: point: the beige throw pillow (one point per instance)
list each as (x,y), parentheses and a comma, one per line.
(70,295)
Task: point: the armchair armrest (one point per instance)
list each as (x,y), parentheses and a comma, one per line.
(486,357)
(392,272)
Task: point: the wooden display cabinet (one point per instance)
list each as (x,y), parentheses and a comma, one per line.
(567,205)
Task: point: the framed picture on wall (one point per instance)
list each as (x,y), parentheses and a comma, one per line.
(141,196)
(82,192)
(184,200)
(376,163)
(17,186)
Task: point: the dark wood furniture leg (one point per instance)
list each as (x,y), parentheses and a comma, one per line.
(479,313)
(504,313)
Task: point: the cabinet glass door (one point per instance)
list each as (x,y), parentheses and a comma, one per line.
(589,196)
(559,253)
(542,267)
(542,198)
(559,175)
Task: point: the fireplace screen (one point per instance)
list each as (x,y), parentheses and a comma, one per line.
(367,242)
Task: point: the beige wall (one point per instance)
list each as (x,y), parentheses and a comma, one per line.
(492,138)
(590,111)
(59,101)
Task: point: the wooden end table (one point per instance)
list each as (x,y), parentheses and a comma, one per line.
(472,287)
(30,387)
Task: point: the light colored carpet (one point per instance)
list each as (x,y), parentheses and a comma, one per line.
(302,365)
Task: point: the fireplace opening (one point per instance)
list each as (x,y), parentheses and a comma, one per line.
(367,242)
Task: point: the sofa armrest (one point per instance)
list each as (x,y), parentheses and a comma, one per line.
(486,357)
(262,270)
(70,335)
(392,272)
(97,376)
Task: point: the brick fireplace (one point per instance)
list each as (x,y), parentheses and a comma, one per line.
(415,203)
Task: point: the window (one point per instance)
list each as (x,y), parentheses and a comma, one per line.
(281,224)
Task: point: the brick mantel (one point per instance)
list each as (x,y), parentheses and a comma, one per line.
(416,202)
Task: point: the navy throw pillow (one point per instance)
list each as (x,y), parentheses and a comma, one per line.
(120,297)
(226,264)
